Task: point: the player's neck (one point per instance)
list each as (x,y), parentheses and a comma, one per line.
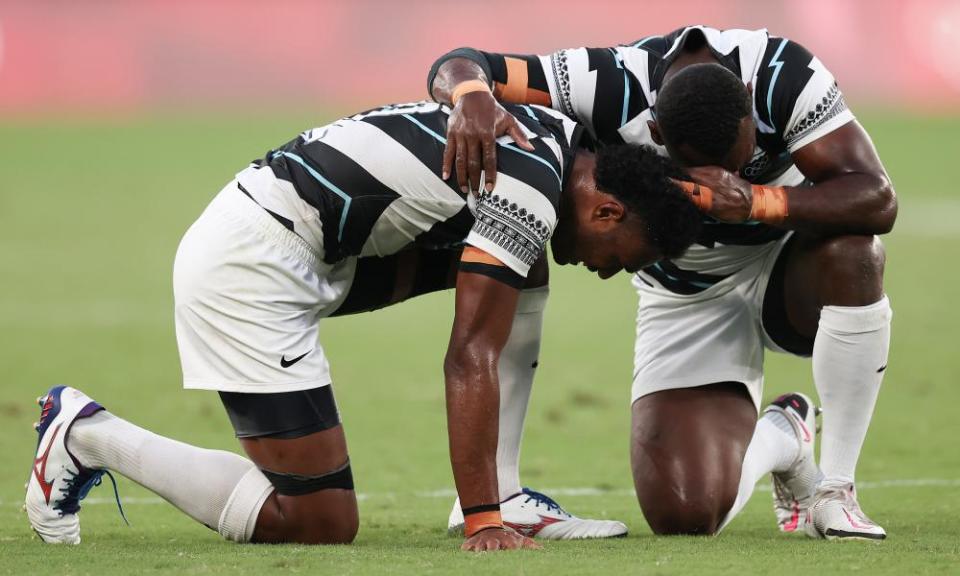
(580,177)
(703,55)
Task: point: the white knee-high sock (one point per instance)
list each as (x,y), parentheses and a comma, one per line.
(518,364)
(220,489)
(849,360)
(773,448)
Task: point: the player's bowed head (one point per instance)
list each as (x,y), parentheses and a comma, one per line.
(621,209)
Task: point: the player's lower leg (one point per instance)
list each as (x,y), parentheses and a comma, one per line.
(782,445)
(833,292)
(518,365)
(849,360)
(224,491)
(85,440)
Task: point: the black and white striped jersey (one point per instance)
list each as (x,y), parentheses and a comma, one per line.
(612,92)
(369,185)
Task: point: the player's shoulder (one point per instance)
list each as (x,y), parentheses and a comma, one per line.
(555,139)
(722,41)
(547,123)
(794,92)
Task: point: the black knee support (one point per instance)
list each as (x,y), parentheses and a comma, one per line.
(298,485)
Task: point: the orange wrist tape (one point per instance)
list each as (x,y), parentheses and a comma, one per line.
(769,204)
(474,523)
(467,87)
(701,195)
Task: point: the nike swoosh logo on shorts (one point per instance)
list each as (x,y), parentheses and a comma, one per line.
(284,363)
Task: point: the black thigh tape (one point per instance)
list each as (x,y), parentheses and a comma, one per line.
(281,415)
(297,485)
(499,273)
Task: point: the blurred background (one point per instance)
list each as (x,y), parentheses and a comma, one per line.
(128,56)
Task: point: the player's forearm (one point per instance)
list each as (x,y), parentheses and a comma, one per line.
(473,408)
(452,73)
(853,203)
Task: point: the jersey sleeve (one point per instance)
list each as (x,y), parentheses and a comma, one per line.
(797,97)
(593,86)
(590,85)
(514,222)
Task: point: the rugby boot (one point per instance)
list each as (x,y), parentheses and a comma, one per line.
(538,516)
(794,488)
(836,515)
(58,482)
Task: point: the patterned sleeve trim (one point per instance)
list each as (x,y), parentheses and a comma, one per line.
(519,234)
(561,77)
(829,107)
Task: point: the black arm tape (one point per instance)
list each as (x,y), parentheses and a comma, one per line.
(469,54)
(481,508)
(297,485)
(498,273)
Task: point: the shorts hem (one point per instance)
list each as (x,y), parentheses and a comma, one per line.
(256,387)
(756,395)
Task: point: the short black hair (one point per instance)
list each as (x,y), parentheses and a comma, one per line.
(702,106)
(642,180)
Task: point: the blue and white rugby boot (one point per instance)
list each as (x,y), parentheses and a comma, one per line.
(537,515)
(58,482)
(794,488)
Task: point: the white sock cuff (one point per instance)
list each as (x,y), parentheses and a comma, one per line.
(533,300)
(239,517)
(856,319)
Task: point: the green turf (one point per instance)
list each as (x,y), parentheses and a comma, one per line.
(90,217)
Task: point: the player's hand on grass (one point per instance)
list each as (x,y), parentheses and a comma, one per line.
(732,195)
(498,539)
(472,130)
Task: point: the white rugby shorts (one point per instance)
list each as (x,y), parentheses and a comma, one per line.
(684,341)
(249,295)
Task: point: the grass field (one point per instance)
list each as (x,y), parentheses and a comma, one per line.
(90,217)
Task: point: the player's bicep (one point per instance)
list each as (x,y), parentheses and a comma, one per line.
(476,261)
(847,149)
(486,300)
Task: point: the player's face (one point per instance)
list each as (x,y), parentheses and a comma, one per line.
(606,242)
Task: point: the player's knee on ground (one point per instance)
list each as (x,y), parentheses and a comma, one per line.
(304,509)
(855,264)
(681,504)
(298,443)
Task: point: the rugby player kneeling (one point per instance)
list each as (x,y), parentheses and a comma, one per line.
(345,218)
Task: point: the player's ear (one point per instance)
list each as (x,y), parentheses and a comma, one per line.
(655,132)
(750,89)
(609,212)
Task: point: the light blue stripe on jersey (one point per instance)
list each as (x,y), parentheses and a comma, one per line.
(507,146)
(675,279)
(644,41)
(424,128)
(774,63)
(626,87)
(319,177)
(529,112)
